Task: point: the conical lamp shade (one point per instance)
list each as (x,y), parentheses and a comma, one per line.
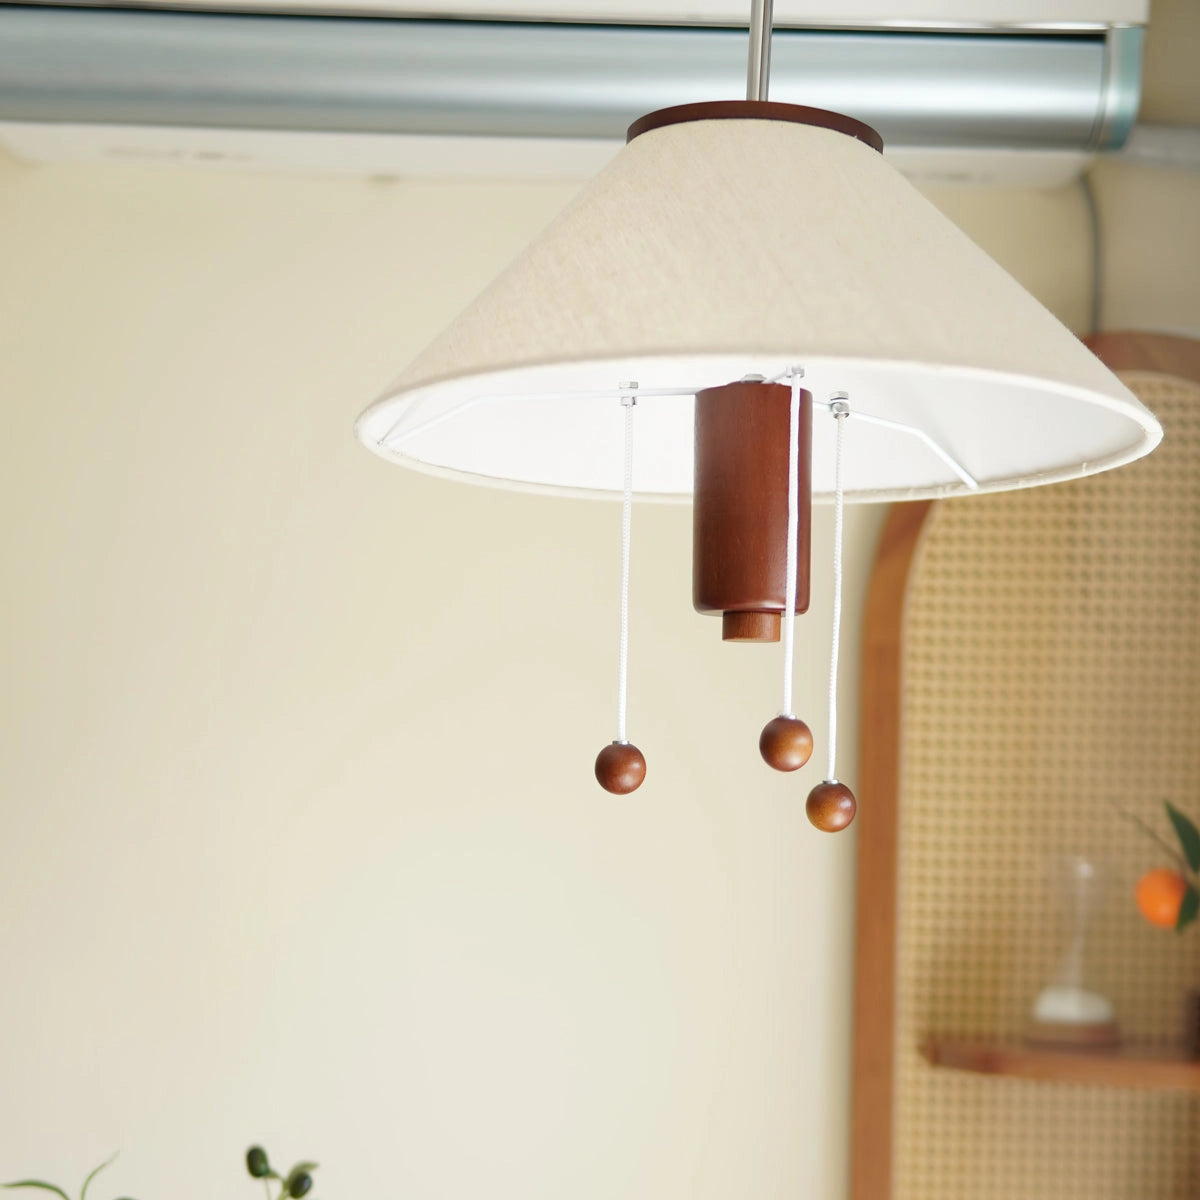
(712,249)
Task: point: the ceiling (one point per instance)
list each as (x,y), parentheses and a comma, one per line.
(1170,80)
(843,13)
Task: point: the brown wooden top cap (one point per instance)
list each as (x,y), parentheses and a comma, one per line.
(755,110)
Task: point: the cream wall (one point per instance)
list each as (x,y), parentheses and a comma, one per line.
(298,836)
(1151,247)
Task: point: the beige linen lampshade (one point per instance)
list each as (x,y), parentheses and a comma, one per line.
(715,248)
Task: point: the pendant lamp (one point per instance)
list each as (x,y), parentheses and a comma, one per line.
(791,320)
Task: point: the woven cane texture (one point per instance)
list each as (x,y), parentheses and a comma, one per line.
(1052,675)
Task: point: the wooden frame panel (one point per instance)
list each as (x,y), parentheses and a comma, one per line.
(880,750)
(878,855)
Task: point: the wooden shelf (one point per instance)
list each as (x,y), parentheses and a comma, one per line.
(1124,1066)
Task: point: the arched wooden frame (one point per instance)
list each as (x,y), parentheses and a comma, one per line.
(873,1079)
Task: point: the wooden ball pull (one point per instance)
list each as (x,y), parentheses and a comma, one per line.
(831,806)
(785,743)
(620,768)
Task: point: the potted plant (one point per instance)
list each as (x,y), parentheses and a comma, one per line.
(1169,898)
(296,1183)
(42,1185)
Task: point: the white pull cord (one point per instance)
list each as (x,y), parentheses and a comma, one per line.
(621,766)
(840,410)
(628,402)
(789,604)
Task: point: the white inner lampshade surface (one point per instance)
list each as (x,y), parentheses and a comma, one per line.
(717,249)
(1003,430)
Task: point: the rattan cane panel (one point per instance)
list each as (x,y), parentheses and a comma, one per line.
(1051,666)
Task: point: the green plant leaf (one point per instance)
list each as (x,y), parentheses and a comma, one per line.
(1189,836)
(37,1183)
(95,1172)
(310,1167)
(1188,909)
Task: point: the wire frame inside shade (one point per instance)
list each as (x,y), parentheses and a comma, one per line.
(714,249)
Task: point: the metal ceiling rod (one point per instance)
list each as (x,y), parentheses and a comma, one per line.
(758,73)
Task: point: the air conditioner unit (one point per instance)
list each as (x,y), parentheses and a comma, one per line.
(1020,92)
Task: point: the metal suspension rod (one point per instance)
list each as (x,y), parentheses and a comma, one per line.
(758,72)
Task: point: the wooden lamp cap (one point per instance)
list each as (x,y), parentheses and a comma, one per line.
(750,626)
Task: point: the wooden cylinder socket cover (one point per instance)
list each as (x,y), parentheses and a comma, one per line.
(740,508)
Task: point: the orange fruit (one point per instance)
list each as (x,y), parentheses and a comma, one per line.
(1159,894)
